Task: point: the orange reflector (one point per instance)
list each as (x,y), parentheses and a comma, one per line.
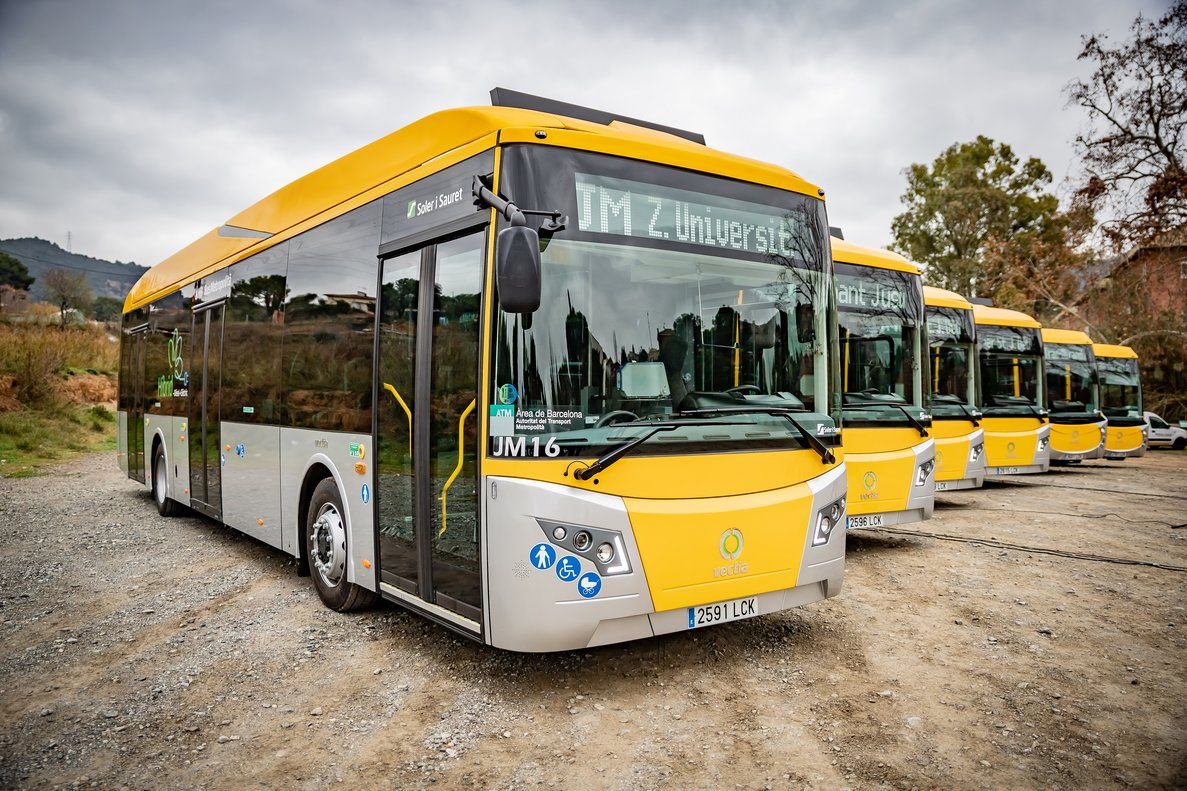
(360,468)
(227,447)
(186,490)
(261,521)
(366,564)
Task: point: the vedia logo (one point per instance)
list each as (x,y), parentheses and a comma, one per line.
(869,482)
(730,544)
(411,209)
(1009,448)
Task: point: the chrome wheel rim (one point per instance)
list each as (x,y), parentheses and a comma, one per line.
(159,481)
(327,545)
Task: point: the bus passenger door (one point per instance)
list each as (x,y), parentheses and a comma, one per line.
(427,427)
(206,457)
(136,402)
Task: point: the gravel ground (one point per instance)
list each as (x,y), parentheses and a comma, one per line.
(144,652)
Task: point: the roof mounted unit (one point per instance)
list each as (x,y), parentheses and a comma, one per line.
(835,232)
(986,302)
(503,97)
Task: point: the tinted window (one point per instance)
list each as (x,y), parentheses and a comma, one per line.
(254,323)
(329,316)
(165,376)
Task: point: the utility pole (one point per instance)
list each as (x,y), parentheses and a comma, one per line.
(69,240)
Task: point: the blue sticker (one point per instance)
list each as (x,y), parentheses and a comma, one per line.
(222,457)
(241,450)
(508,394)
(568,568)
(542,556)
(365,493)
(589,585)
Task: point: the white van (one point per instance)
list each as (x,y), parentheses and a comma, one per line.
(1161,434)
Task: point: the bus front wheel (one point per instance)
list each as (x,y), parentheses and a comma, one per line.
(326,546)
(160,487)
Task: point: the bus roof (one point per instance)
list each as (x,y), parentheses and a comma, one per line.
(849,253)
(420,149)
(1113,350)
(943,298)
(1070,337)
(1003,317)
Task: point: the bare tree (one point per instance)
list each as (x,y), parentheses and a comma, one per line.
(1132,149)
(68,290)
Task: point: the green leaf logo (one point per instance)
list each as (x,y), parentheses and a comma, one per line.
(411,209)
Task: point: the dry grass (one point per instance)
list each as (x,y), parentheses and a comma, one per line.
(53,386)
(36,356)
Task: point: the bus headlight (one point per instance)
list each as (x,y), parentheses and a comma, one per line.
(1042,443)
(605,549)
(975,452)
(922,471)
(827,520)
(1104,433)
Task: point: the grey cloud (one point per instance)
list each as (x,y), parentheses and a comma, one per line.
(139,126)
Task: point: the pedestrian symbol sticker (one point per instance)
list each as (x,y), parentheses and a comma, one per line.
(589,585)
(543,556)
(365,494)
(568,568)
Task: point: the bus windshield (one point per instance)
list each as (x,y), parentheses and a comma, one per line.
(1011,357)
(1120,387)
(950,334)
(880,312)
(1071,378)
(667,292)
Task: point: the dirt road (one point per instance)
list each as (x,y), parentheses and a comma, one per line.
(143,652)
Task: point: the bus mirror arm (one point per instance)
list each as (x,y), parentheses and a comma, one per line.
(517,256)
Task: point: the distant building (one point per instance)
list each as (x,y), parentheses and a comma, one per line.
(13,301)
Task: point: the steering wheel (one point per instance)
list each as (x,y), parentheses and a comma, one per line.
(615,416)
(740,389)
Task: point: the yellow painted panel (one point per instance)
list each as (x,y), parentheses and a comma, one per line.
(1113,350)
(952,448)
(943,298)
(1003,317)
(1070,337)
(1011,441)
(849,253)
(1123,438)
(1075,439)
(879,482)
(689,558)
(678,476)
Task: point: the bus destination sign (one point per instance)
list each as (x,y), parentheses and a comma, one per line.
(631,208)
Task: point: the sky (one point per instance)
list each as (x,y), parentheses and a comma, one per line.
(139,126)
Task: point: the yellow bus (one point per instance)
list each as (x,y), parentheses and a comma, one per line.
(1078,427)
(889,453)
(1010,374)
(955,416)
(1121,400)
(548,376)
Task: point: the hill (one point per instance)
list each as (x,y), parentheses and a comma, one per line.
(107,278)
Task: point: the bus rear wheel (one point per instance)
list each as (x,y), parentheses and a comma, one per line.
(326,548)
(160,486)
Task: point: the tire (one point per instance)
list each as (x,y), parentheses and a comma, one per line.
(1180,443)
(325,545)
(166,506)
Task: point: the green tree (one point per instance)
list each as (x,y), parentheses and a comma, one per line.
(1133,150)
(68,290)
(965,211)
(13,272)
(107,308)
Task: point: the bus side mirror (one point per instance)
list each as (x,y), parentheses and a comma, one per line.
(517,269)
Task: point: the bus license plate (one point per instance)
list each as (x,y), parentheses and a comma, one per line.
(941,486)
(1005,471)
(868,520)
(1073,457)
(721,612)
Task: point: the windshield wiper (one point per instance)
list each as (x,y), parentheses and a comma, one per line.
(826,455)
(613,455)
(972,415)
(922,429)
